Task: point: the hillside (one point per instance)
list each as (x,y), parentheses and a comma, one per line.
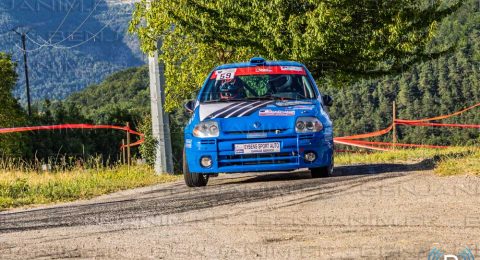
(73,62)
(122,93)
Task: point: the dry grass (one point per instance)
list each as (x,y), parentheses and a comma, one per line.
(460,165)
(20,188)
(452,161)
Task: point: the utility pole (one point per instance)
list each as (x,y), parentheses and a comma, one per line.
(27,82)
(160,120)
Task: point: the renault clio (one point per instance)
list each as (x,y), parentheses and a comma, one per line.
(258,116)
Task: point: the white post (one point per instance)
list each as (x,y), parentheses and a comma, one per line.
(160,120)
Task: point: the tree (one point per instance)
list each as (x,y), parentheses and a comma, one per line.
(11,114)
(337,39)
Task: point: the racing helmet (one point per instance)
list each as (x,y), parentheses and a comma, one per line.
(231,89)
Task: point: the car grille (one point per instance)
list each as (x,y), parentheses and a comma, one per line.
(258,159)
(208,141)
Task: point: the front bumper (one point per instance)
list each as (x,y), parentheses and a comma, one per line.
(290,157)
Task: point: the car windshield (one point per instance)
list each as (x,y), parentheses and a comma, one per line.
(254,83)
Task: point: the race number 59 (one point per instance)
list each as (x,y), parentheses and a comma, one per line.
(226,74)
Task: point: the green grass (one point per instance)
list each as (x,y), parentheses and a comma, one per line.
(452,161)
(21,188)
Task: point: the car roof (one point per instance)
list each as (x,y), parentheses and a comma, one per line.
(266,63)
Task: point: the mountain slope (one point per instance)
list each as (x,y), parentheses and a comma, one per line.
(89,42)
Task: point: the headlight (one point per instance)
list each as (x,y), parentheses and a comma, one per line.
(206,129)
(308,125)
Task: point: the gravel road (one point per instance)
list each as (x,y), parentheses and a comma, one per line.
(391,211)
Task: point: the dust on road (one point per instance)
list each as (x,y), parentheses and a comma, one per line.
(375,211)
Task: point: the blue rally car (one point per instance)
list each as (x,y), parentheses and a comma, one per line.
(258,116)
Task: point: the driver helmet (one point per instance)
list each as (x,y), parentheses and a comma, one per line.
(231,89)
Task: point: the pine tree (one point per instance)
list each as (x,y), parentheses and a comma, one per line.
(11,114)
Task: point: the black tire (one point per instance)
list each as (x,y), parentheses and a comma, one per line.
(323,172)
(193,179)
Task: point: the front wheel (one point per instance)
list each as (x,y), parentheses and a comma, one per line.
(193,179)
(322,172)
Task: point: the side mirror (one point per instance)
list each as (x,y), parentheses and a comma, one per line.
(190,106)
(327,100)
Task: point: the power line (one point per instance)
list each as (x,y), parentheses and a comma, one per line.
(76,29)
(35,42)
(82,43)
(50,38)
(47,43)
(29,51)
(29,38)
(63,21)
(66,47)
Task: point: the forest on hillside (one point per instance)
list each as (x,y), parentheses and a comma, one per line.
(431,88)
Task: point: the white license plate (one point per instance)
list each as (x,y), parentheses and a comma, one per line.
(257,148)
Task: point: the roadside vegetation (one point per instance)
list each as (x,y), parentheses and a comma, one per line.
(460,165)
(23,184)
(452,161)
(28,187)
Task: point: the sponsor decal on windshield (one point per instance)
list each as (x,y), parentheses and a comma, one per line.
(263,69)
(269,112)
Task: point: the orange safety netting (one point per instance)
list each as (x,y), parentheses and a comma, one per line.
(353,140)
(440,117)
(354,144)
(368,135)
(76,126)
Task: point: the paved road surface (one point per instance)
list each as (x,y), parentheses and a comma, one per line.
(372,212)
